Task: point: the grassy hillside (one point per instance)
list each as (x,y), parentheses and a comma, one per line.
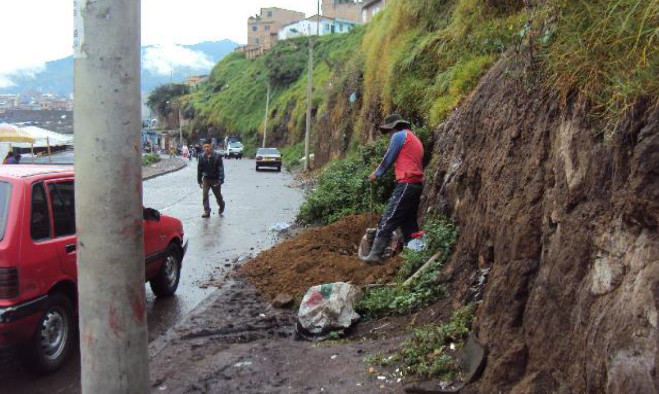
(421,58)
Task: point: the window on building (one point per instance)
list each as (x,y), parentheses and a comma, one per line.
(254,28)
(257,41)
(40,217)
(63,200)
(364,16)
(326,28)
(269,14)
(266,27)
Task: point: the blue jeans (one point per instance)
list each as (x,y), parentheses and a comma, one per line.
(401,211)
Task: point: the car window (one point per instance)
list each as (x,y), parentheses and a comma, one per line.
(5,198)
(39,216)
(63,200)
(268,151)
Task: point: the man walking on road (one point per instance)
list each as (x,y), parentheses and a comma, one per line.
(210,175)
(406,153)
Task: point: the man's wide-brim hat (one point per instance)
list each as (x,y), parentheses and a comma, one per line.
(392,121)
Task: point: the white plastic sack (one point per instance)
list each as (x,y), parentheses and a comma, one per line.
(280,226)
(329,307)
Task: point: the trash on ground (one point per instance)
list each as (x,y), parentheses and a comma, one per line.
(328,308)
(418,242)
(280,226)
(242,364)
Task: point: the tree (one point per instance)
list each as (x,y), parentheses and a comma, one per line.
(161,100)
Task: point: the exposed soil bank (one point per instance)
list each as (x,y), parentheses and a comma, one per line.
(318,255)
(567,221)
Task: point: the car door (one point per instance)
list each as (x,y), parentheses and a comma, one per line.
(39,258)
(62,201)
(153,241)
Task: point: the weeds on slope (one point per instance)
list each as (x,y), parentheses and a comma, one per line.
(430,351)
(606,50)
(400,299)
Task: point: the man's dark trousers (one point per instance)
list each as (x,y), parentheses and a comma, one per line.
(401,211)
(214,185)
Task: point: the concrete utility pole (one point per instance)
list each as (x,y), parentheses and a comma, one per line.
(265,121)
(307,131)
(112,302)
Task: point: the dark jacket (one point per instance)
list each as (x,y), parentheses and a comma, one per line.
(210,168)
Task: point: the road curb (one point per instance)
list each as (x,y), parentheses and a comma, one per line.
(181,165)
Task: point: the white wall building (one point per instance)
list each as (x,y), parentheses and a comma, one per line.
(309,26)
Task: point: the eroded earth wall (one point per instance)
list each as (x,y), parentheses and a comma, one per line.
(565,217)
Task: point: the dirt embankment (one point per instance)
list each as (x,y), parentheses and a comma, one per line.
(318,255)
(566,219)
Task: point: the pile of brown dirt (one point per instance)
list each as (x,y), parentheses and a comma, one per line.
(318,255)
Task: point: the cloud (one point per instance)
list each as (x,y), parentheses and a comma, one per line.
(163,59)
(8,76)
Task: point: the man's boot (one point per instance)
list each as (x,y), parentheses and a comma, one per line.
(379,245)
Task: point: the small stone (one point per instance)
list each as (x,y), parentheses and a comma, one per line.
(370,279)
(371,370)
(283,300)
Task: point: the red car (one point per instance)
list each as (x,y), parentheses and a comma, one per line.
(38,273)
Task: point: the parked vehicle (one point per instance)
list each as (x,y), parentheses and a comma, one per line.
(268,157)
(38,271)
(234,149)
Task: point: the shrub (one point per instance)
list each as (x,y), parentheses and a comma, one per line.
(343,190)
(150,158)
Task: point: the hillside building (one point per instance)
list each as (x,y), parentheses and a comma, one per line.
(310,27)
(195,80)
(350,10)
(371,8)
(263,29)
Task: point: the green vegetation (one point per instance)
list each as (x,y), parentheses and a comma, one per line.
(291,155)
(422,58)
(400,299)
(343,189)
(441,235)
(164,99)
(150,158)
(429,353)
(424,69)
(607,50)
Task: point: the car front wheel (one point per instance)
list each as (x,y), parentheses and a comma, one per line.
(166,283)
(53,339)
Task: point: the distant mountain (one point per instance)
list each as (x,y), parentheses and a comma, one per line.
(184,60)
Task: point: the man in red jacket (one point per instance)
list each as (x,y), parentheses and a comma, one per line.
(406,154)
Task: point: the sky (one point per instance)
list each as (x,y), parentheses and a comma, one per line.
(36,31)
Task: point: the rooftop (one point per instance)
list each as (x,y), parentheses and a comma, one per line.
(17,171)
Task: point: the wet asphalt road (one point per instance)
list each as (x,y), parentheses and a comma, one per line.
(255,202)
